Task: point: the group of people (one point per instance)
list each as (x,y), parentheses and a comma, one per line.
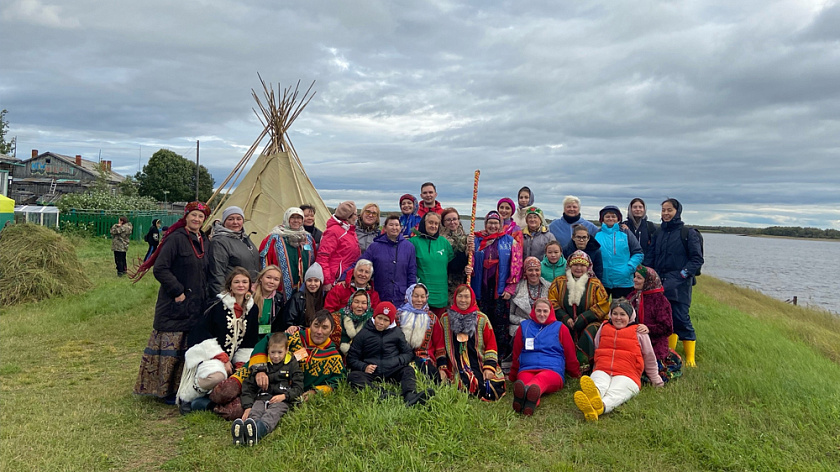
(247,329)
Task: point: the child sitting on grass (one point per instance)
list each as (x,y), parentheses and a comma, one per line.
(264,408)
(622,352)
(380,351)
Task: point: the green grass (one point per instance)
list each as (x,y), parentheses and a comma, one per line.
(764,397)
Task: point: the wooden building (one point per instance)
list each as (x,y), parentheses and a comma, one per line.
(44,178)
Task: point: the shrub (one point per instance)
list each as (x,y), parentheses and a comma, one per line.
(104,201)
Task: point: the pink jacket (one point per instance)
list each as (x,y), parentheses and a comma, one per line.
(339,249)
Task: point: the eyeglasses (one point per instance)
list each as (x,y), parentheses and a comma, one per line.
(370,212)
(581,238)
(450,220)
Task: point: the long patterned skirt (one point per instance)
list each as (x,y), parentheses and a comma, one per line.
(162,364)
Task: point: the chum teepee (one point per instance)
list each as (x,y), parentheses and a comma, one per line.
(277,179)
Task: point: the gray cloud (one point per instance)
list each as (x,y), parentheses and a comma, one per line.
(715,103)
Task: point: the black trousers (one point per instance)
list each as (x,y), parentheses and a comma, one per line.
(119,260)
(405,376)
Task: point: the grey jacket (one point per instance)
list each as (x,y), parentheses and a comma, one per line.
(534,244)
(227,250)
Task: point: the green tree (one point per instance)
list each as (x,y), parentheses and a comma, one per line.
(6,147)
(128,187)
(169,171)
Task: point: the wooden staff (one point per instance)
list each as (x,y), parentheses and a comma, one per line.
(472,221)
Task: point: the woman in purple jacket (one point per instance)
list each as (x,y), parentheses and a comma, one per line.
(394,262)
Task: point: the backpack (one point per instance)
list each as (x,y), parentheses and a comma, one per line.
(684,236)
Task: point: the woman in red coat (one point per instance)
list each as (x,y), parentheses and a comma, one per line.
(339,248)
(654,311)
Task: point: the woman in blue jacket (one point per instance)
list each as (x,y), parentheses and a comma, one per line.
(676,254)
(620,253)
(394,262)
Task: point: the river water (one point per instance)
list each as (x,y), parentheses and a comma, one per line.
(780,268)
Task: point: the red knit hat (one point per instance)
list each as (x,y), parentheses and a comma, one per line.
(386,308)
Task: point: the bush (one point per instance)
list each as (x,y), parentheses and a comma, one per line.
(105,201)
(37,263)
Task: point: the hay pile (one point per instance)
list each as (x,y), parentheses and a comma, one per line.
(37,263)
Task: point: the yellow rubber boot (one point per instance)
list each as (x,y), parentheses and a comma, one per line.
(585,407)
(588,387)
(688,347)
(672,341)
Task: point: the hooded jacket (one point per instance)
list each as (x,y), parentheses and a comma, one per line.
(668,256)
(433,255)
(387,349)
(409,222)
(593,250)
(339,249)
(643,232)
(285,378)
(533,243)
(562,229)
(549,271)
(340,294)
(229,249)
(554,348)
(620,254)
(394,267)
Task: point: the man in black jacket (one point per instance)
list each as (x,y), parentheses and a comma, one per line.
(380,352)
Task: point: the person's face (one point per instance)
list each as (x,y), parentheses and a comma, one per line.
(619,318)
(194,220)
(234,222)
(610,219)
(578,270)
(428,194)
(370,216)
(407,207)
(463,299)
(359,305)
(361,275)
(419,297)
(571,209)
(581,238)
(533,275)
(452,221)
(638,281)
(505,210)
(533,222)
(393,228)
(295,222)
(240,285)
(381,322)
(309,217)
(668,212)
(432,224)
(270,281)
(313,284)
(541,311)
(553,254)
(637,209)
(158,225)
(492,225)
(277,352)
(353,218)
(319,331)
(524,198)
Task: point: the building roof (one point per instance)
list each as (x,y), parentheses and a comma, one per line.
(90,167)
(6,159)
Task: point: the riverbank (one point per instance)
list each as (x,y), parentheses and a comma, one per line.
(764,397)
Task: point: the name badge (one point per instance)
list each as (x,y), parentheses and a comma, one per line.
(307,247)
(301,354)
(529,344)
(265,329)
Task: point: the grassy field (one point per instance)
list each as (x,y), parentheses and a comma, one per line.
(766,396)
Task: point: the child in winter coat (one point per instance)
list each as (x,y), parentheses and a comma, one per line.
(622,352)
(264,408)
(380,351)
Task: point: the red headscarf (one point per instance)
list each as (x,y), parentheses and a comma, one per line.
(473,305)
(551,316)
(181,223)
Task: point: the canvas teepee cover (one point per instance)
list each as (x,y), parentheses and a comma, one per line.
(277,179)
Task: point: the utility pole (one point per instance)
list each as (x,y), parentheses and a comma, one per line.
(196,170)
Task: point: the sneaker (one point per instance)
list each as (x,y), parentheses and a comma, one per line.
(250,436)
(519,391)
(237,432)
(532,396)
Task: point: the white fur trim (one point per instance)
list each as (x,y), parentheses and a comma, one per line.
(242,355)
(576,288)
(344,348)
(414,327)
(350,328)
(205,350)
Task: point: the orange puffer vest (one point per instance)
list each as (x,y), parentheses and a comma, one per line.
(619,352)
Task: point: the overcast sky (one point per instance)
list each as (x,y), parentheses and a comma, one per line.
(731,107)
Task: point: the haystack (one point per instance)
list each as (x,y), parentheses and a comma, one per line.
(277,179)
(36,263)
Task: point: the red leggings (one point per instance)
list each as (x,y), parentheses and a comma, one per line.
(548,380)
